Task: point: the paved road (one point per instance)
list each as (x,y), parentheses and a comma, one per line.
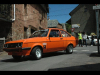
(82,59)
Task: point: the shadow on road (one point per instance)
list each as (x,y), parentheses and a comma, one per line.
(52,54)
(94,55)
(28,58)
(25,58)
(87,67)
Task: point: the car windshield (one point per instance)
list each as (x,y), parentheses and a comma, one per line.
(40,33)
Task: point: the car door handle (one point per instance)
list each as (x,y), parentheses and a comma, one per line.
(61,38)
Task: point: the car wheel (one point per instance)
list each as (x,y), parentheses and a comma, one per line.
(69,49)
(16,57)
(36,53)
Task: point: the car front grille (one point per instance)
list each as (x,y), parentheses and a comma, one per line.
(13,45)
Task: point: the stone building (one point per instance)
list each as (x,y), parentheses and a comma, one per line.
(54,24)
(84,15)
(18,21)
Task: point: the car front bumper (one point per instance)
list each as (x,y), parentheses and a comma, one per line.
(18,51)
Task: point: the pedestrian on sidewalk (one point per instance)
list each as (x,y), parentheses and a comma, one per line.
(84,39)
(80,38)
(92,40)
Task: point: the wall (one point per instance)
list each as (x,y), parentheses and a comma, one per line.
(30,17)
(18,24)
(59,26)
(85,19)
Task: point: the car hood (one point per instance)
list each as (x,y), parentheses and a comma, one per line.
(35,39)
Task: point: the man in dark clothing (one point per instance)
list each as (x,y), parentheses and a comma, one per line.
(92,40)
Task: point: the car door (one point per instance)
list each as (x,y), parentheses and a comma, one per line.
(66,38)
(55,42)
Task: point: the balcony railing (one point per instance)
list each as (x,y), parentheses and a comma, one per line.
(6,11)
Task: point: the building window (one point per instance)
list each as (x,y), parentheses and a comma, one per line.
(25,8)
(25,32)
(85,9)
(40,22)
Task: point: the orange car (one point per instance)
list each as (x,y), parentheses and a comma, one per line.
(42,41)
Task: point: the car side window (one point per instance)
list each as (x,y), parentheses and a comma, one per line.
(65,34)
(54,33)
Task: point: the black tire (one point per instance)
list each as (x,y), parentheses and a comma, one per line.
(36,53)
(69,49)
(16,57)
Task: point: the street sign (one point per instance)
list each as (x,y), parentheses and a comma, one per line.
(72,29)
(96,7)
(75,26)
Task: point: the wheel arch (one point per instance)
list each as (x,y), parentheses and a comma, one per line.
(69,49)
(70,44)
(37,46)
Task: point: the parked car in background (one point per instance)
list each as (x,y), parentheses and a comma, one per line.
(88,40)
(42,41)
(95,40)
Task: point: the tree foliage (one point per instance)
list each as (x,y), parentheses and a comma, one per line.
(68,27)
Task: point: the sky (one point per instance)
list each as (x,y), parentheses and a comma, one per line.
(61,12)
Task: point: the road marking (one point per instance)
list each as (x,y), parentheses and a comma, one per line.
(74,50)
(95,51)
(85,50)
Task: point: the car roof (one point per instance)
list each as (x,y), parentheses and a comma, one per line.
(55,28)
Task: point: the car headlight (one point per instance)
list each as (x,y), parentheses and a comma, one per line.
(5,45)
(20,44)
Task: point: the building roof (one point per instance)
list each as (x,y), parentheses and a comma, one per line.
(77,8)
(74,10)
(52,23)
(69,21)
(82,26)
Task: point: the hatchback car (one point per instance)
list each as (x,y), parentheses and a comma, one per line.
(42,41)
(88,41)
(95,40)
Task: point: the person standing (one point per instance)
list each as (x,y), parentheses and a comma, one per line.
(92,40)
(84,39)
(80,39)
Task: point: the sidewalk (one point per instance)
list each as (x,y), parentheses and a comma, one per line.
(3,53)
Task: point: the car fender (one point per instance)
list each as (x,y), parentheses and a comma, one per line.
(69,43)
(72,43)
(37,44)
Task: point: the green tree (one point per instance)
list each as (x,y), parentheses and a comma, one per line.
(68,27)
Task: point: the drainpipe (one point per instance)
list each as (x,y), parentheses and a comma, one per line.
(14,13)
